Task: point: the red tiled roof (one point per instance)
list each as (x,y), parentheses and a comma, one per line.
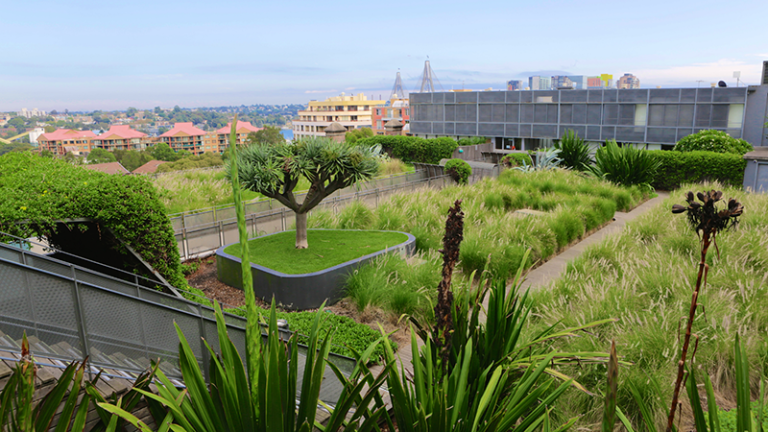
(187,128)
(122,132)
(66,134)
(149,167)
(240,125)
(109,168)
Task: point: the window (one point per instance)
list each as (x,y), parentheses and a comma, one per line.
(735,116)
(641,114)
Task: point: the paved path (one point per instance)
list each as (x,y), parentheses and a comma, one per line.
(551,270)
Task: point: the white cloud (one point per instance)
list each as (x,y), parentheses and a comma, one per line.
(349,88)
(687,75)
(765,56)
(320,91)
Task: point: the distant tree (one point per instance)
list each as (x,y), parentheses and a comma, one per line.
(74,160)
(162,130)
(133,159)
(275,171)
(356,134)
(54,112)
(50,128)
(131,111)
(176,109)
(14,147)
(270,135)
(66,111)
(158,110)
(163,152)
(98,155)
(18,123)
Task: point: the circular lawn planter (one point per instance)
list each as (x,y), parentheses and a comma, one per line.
(291,276)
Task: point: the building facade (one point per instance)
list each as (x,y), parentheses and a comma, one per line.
(352,112)
(539,83)
(33,113)
(185,136)
(643,116)
(62,141)
(121,138)
(515,85)
(396,109)
(241,135)
(628,81)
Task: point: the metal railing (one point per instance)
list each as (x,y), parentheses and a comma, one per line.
(202,238)
(73,313)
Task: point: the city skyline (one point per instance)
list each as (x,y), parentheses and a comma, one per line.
(86,55)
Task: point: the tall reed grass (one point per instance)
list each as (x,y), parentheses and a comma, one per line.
(645,277)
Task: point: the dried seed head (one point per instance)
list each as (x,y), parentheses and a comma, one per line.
(705,217)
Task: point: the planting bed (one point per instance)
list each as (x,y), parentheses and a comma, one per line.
(305,278)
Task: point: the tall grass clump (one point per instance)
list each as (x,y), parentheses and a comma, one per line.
(626,166)
(574,152)
(644,276)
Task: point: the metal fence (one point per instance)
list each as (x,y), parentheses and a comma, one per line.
(202,237)
(70,312)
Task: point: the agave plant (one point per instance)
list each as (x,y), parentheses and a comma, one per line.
(544,161)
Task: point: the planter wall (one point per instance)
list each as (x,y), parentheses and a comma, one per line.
(299,291)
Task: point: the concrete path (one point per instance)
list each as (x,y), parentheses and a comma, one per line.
(551,270)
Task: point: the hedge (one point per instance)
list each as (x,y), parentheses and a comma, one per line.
(42,191)
(414,149)
(516,159)
(697,166)
(459,170)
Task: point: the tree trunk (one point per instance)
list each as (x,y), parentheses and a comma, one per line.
(301,231)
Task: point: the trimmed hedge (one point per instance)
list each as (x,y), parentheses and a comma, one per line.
(42,191)
(512,160)
(697,166)
(414,149)
(714,141)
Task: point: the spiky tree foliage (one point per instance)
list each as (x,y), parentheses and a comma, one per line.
(274,171)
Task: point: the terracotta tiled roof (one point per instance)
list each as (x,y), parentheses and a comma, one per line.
(109,168)
(66,134)
(149,167)
(186,128)
(240,126)
(121,132)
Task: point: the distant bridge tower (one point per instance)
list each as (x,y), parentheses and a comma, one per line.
(429,82)
(397,90)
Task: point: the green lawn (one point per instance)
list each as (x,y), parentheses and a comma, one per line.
(327,248)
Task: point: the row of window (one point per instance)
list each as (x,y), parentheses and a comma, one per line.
(688,115)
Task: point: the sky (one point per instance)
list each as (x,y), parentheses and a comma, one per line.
(88,55)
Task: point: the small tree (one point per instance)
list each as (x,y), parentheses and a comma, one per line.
(98,155)
(270,135)
(274,171)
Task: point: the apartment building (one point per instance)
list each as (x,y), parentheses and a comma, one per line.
(539,83)
(242,130)
(628,81)
(352,112)
(62,141)
(122,137)
(396,109)
(185,136)
(651,118)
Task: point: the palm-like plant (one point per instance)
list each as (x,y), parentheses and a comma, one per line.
(573,151)
(626,166)
(274,171)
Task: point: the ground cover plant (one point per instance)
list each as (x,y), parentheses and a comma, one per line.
(645,276)
(572,204)
(330,248)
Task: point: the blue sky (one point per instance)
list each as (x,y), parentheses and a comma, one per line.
(86,55)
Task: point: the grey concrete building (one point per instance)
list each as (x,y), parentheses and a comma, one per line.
(655,118)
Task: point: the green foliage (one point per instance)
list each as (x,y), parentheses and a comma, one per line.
(713,141)
(189,268)
(14,147)
(574,153)
(676,168)
(512,160)
(357,134)
(275,171)
(626,166)
(97,156)
(459,170)
(162,151)
(204,160)
(414,149)
(644,276)
(269,135)
(42,191)
(472,141)
(132,159)
(269,397)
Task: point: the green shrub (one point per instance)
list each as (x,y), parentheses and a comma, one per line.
(459,170)
(204,160)
(512,160)
(472,141)
(414,149)
(676,168)
(42,191)
(574,153)
(626,166)
(714,141)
